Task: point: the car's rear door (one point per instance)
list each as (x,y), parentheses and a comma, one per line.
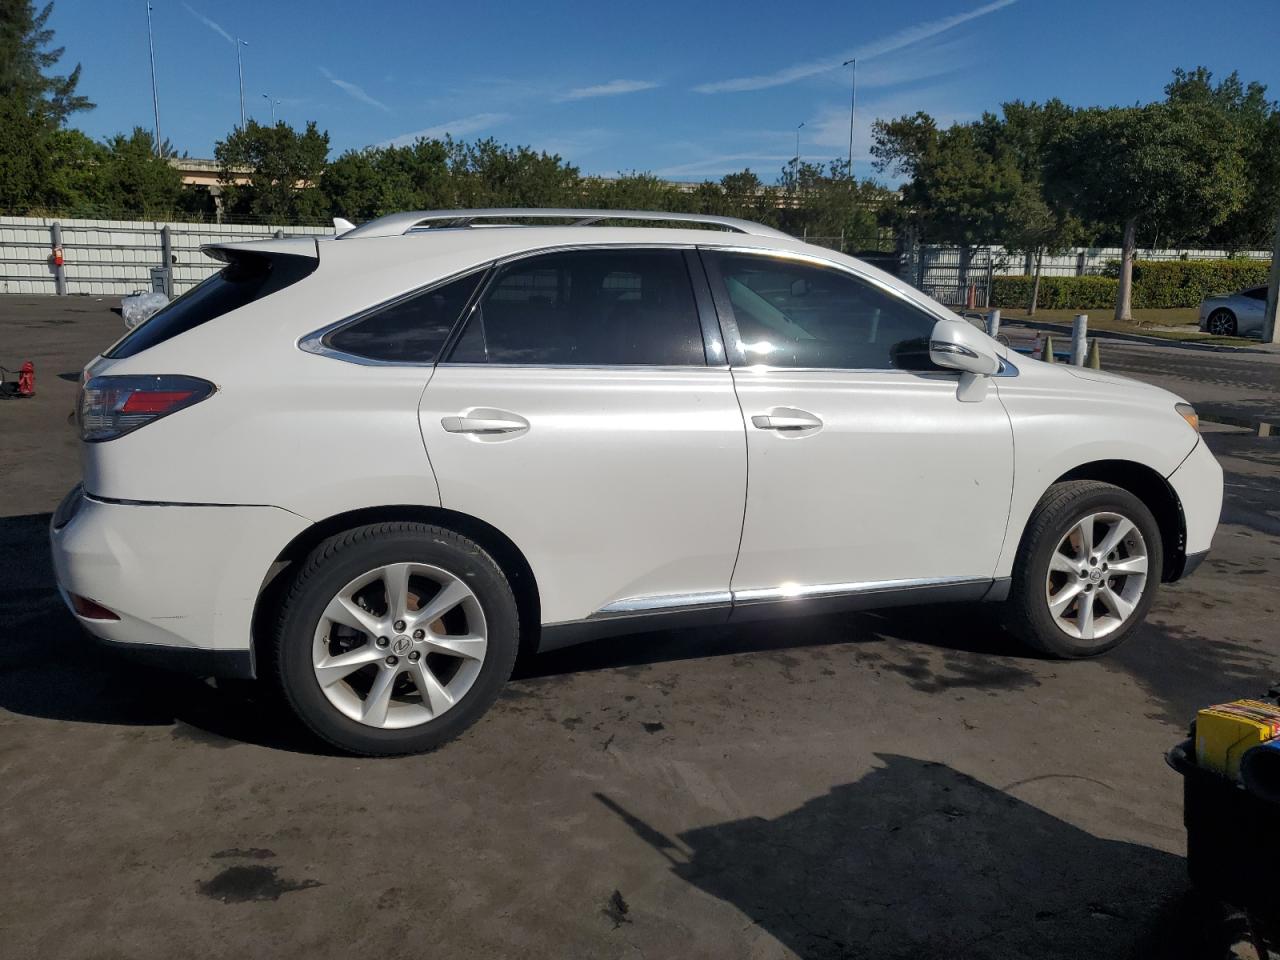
(578,414)
(867,473)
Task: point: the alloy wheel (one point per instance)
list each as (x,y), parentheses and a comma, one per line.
(1097,575)
(399,645)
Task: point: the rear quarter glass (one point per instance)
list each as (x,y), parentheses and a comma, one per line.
(248,277)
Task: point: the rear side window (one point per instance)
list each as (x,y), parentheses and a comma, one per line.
(1257,293)
(588,307)
(409,330)
(248,278)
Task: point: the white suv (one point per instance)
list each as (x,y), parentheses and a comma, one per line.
(378,467)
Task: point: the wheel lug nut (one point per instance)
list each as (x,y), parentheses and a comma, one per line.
(382,641)
(1094,561)
(413,656)
(419,634)
(392,661)
(399,626)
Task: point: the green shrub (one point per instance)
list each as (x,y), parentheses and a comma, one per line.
(1161,284)
(1056,293)
(1157,284)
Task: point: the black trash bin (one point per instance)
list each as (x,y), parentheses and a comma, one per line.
(1233,839)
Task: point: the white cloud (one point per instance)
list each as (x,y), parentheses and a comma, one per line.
(458,128)
(876,48)
(355,91)
(611,89)
(210,24)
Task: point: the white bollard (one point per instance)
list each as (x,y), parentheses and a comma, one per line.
(1079,338)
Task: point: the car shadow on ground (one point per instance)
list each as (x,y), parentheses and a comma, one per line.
(918,860)
(50,668)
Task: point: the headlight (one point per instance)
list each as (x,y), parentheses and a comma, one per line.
(1188,413)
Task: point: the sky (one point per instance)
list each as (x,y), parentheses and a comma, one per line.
(684,90)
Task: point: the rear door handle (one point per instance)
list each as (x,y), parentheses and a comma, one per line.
(485,422)
(785,418)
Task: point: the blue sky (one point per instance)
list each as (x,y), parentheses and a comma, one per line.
(684,90)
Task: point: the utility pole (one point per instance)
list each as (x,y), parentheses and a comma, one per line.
(853,107)
(155,96)
(1270,328)
(240,69)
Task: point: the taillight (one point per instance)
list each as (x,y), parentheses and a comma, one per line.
(110,407)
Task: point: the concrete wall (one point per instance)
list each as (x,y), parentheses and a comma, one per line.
(114,257)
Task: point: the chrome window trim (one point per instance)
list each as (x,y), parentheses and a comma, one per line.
(602,367)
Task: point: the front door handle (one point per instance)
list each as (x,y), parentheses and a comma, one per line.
(485,422)
(785,418)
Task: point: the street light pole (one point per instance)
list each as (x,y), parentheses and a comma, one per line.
(797,161)
(240,70)
(155,96)
(853,106)
(1270,323)
(273,107)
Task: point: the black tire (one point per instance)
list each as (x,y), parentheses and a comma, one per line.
(1221,323)
(346,556)
(1059,510)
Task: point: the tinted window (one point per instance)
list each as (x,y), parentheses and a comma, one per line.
(793,314)
(248,278)
(1257,293)
(410,330)
(605,308)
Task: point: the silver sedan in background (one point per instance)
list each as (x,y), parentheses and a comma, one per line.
(1234,314)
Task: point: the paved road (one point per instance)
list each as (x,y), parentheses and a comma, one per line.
(889,784)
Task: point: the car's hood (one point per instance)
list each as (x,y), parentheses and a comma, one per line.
(1118,381)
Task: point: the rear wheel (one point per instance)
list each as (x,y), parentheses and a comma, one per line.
(1086,570)
(395,638)
(1222,323)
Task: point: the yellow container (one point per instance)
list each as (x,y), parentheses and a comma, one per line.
(1225,732)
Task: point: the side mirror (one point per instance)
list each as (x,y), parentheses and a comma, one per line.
(959,346)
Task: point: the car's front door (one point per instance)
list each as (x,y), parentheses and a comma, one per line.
(578,414)
(866,472)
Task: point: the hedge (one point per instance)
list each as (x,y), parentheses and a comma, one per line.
(1056,293)
(1157,284)
(1184,283)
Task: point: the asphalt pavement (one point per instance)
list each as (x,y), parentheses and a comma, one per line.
(890,784)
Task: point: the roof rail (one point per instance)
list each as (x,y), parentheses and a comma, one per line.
(398,224)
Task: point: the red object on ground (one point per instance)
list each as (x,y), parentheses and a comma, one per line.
(27,380)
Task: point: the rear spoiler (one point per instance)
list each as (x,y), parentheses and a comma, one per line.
(269,247)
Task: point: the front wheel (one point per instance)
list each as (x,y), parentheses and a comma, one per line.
(395,637)
(1222,323)
(1086,571)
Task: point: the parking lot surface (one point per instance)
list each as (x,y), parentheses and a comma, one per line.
(899,783)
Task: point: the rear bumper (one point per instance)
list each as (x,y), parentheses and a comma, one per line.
(182,579)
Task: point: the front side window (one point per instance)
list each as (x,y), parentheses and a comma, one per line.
(795,314)
(409,330)
(587,307)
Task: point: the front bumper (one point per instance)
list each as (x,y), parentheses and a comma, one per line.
(182,579)
(1198,485)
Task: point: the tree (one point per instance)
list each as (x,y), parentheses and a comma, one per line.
(282,166)
(134,182)
(25,58)
(1172,168)
(1255,122)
